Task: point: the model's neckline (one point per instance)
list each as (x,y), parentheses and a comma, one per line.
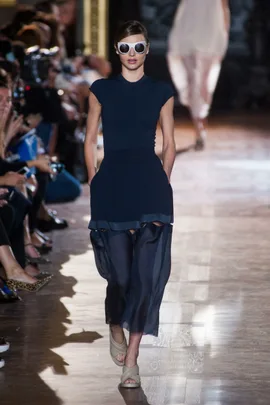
(127,81)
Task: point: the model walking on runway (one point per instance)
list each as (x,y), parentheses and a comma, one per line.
(197,44)
(131,197)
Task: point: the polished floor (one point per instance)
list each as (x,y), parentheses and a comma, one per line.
(214,343)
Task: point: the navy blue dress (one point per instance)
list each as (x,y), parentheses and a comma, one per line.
(131,186)
(131,192)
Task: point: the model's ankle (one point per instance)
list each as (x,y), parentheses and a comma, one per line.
(131,358)
(117,333)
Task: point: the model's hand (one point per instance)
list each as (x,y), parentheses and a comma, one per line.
(12,179)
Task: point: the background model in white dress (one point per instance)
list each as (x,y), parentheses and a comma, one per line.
(197,44)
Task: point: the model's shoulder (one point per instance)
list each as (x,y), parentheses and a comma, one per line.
(159,83)
(105,82)
(162,90)
(98,83)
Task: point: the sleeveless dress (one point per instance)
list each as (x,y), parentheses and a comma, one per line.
(197,44)
(131,186)
(131,192)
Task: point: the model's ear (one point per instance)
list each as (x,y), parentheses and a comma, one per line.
(116,50)
(148,48)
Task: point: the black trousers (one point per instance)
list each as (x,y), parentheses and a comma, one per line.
(12,218)
(12,223)
(4,240)
(42,180)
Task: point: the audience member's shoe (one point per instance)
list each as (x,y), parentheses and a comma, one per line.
(2,363)
(54,223)
(200,141)
(30,249)
(42,246)
(33,271)
(52,212)
(4,345)
(43,236)
(19,285)
(43,249)
(37,260)
(42,275)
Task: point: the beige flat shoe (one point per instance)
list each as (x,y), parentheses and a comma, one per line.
(117,349)
(131,373)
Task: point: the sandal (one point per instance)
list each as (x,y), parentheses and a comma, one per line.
(117,349)
(35,260)
(42,275)
(43,248)
(131,373)
(43,236)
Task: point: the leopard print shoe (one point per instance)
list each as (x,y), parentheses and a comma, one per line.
(19,285)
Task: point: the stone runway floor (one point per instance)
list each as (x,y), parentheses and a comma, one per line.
(214,342)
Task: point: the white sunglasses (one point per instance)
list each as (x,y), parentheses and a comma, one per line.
(124,47)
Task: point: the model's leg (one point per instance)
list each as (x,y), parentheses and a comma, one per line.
(206,80)
(150,273)
(180,70)
(113,254)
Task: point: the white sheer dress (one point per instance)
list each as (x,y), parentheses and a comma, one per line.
(197,44)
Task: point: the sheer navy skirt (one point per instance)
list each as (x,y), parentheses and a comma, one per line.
(137,267)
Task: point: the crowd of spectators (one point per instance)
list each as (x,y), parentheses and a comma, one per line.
(43,107)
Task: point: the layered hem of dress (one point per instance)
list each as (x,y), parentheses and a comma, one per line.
(126,225)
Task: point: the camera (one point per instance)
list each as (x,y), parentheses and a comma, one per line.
(36,64)
(57,168)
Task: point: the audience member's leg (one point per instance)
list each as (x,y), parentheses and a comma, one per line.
(42,180)
(64,189)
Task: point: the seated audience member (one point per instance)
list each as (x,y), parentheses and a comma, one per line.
(12,254)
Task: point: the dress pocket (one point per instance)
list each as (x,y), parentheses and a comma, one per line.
(98,240)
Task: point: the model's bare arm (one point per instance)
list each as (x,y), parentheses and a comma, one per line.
(167,127)
(90,145)
(226,11)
